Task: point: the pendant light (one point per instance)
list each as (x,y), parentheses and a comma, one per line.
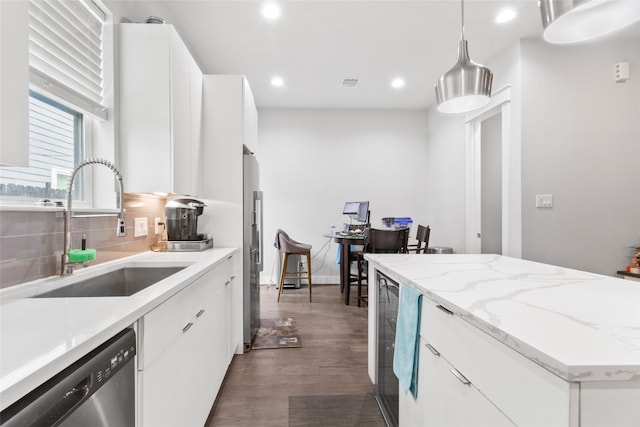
(572,21)
(466,86)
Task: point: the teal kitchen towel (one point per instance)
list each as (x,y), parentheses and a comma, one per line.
(405,358)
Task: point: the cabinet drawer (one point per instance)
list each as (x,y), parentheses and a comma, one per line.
(527,393)
(233,264)
(168,321)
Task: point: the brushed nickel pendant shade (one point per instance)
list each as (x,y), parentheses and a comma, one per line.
(466,86)
(573,21)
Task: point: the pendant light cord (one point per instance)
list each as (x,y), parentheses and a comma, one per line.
(462,19)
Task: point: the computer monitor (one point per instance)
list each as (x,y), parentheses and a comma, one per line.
(359,210)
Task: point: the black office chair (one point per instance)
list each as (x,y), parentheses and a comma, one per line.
(381,242)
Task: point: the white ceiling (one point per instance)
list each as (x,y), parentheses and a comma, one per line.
(314,45)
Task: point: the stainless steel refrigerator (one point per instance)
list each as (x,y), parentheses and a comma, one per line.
(252,247)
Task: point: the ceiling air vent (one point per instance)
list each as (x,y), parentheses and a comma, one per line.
(350,82)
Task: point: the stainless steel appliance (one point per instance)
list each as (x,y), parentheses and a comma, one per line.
(97,390)
(252,246)
(182,225)
(387,385)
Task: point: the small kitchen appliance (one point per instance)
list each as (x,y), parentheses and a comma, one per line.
(182,226)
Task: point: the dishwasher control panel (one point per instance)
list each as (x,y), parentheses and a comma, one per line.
(61,398)
(109,367)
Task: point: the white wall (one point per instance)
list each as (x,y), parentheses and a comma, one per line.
(313,161)
(446,159)
(581,143)
(444,185)
(579,137)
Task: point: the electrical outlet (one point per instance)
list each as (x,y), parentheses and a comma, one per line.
(158,227)
(544,201)
(140,227)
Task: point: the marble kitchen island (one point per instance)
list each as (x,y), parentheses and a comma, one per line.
(533,344)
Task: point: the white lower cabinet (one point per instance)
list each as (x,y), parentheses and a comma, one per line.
(447,398)
(184,352)
(467,378)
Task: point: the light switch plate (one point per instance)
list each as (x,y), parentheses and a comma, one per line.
(140,227)
(544,201)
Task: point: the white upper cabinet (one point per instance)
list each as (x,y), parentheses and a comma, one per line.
(230,121)
(160,111)
(14,83)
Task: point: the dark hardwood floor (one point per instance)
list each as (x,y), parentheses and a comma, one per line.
(332,360)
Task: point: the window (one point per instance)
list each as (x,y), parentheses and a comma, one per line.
(55,147)
(67,78)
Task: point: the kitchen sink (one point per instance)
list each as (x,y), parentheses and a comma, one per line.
(123,282)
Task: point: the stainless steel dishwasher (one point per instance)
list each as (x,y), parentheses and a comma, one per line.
(98,390)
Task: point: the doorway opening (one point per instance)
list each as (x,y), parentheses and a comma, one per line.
(492,181)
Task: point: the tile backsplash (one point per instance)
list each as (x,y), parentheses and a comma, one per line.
(31,242)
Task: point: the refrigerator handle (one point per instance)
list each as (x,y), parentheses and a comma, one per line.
(257,212)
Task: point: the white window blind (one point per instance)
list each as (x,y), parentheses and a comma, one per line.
(65,51)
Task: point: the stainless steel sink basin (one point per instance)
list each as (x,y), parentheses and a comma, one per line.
(118,283)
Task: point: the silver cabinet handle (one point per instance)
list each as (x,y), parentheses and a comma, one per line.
(445,309)
(186,328)
(459,376)
(200,313)
(432,349)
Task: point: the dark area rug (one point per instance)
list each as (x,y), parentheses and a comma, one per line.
(277,333)
(351,410)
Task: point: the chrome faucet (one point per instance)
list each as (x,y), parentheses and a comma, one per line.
(121,230)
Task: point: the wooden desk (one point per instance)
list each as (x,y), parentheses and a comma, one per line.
(345,241)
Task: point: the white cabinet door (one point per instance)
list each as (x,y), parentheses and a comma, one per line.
(160,93)
(223,127)
(166,384)
(432,387)
(180,115)
(466,406)
(210,343)
(498,371)
(234,304)
(231,341)
(166,387)
(195,148)
(14,83)
(447,398)
(185,352)
(250,113)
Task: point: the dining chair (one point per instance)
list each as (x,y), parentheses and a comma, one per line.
(422,237)
(380,241)
(288,246)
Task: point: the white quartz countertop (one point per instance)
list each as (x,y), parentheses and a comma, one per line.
(39,337)
(579,325)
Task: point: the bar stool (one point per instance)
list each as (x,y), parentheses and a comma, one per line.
(288,246)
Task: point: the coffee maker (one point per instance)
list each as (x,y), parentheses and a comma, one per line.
(182,225)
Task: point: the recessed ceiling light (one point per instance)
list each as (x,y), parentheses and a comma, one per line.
(271,11)
(397,83)
(505,15)
(277,82)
